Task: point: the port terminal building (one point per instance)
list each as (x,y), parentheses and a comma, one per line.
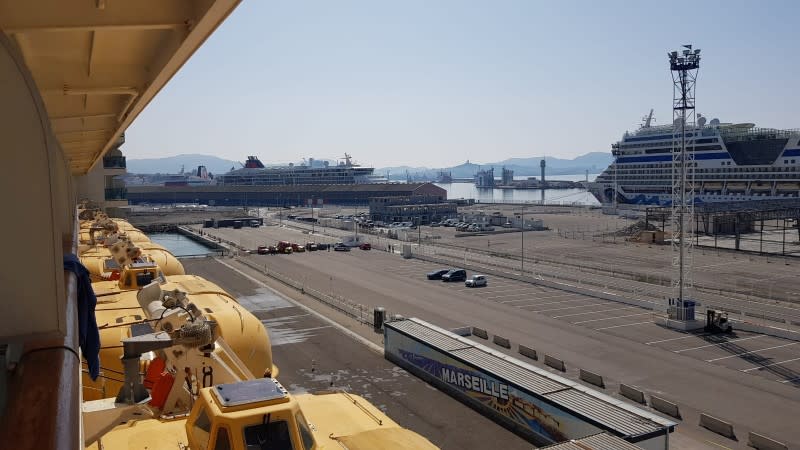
(418,209)
(287,195)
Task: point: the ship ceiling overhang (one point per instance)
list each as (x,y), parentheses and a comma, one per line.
(98,63)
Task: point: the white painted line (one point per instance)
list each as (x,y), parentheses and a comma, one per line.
(549,303)
(530,292)
(611,318)
(768,365)
(790,380)
(358,338)
(562,294)
(590,312)
(676,339)
(568,307)
(719,343)
(625,325)
(753,351)
(510,295)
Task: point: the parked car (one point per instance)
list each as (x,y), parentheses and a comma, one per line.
(455,275)
(340,247)
(435,224)
(262,250)
(322,246)
(298,248)
(507,225)
(365,246)
(437,274)
(476,281)
(312,246)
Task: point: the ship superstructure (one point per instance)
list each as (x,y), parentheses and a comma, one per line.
(731,162)
(254,173)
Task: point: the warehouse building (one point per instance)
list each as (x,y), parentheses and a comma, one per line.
(417,209)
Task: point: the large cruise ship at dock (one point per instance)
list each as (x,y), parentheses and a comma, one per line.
(254,173)
(731,162)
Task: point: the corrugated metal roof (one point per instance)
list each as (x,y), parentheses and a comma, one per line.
(579,399)
(564,446)
(521,376)
(604,441)
(433,337)
(605,413)
(600,441)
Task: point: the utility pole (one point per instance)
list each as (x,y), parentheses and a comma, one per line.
(522,241)
(684,66)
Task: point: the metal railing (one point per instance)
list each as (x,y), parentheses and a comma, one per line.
(357,311)
(114,162)
(116,193)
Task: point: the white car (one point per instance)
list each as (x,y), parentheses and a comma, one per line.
(476,281)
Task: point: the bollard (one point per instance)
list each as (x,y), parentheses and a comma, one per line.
(761,442)
(529,352)
(668,408)
(479,332)
(501,341)
(632,393)
(378,317)
(592,378)
(718,426)
(462,331)
(555,363)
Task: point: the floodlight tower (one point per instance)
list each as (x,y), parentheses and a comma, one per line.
(684,66)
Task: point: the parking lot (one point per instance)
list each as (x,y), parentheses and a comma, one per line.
(770,357)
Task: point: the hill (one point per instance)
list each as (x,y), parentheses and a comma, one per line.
(173,164)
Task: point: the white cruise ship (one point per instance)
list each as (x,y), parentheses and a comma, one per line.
(732,162)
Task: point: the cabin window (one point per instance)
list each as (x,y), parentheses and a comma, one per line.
(223,441)
(305,433)
(201,429)
(273,435)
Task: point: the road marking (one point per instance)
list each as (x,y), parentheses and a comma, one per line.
(358,338)
(768,365)
(509,295)
(625,325)
(677,338)
(718,445)
(569,307)
(549,303)
(513,290)
(719,343)
(753,351)
(590,312)
(790,380)
(610,318)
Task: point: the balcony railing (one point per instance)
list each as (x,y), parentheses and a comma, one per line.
(114,162)
(117,193)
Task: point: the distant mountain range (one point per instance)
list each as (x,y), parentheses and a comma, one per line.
(594,162)
(173,164)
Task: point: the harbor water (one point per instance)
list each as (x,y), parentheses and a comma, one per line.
(548,196)
(181,245)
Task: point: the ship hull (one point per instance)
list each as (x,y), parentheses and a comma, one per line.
(604,193)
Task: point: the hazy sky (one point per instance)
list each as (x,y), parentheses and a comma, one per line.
(434,82)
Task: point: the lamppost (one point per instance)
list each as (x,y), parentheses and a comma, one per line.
(522,242)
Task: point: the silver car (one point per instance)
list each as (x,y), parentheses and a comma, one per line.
(476,281)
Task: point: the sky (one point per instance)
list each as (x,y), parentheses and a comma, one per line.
(435,82)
